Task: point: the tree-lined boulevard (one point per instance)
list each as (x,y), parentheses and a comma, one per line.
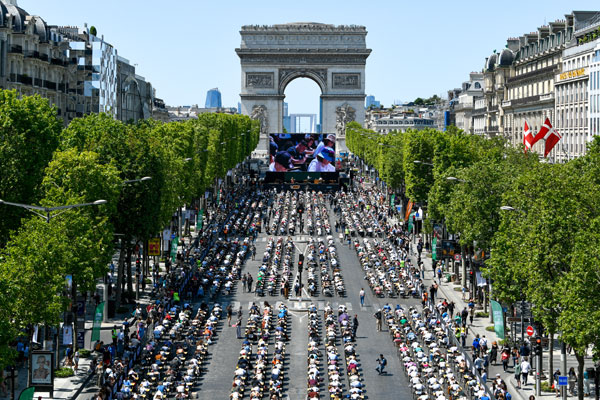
(75,199)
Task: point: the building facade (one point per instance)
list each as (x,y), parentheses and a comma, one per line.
(464,106)
(399,119)
(572,98)
(78,72)
(539,75)
(594,90)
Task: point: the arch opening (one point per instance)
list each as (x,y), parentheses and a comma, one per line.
(302,108)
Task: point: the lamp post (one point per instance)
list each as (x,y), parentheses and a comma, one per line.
(47,214)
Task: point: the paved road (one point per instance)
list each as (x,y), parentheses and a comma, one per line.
(370,343)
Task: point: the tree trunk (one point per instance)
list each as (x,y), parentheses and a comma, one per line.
(129,277)
(120,269)
(74,302)
(463,278)
(580,368)
(550,356)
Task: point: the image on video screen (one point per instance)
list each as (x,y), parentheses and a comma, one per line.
(300,152)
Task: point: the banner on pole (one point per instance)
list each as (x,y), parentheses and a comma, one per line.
(154,247)
(408,210)
(174,245)
(200,221)
(434,249)
(497,313)
(98,316)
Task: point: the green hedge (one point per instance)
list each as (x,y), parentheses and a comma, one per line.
(64,372)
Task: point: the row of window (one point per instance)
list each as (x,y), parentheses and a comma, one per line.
(595,80)
(406,122)
(532,89)
(534,66)
(577,62)
(595,103)
(573,117)
(574,91)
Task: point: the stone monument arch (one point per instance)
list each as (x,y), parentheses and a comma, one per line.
(333,56)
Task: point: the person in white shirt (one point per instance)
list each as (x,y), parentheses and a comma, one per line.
(525,368)
(323,162)
(328,141)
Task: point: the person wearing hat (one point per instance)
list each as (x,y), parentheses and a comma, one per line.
(281,163)
(328,141)
(323,162)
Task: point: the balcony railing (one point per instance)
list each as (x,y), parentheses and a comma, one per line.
(18,78)
(16,50)
(50,85)
(58,61)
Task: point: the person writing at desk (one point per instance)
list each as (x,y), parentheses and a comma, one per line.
(281,163)
(323,162)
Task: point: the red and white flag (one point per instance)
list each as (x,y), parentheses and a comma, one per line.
(547,127)
(527,137)
(552,137)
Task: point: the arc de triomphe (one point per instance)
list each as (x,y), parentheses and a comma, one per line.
(332,56)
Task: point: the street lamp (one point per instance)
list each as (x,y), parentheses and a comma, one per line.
(188,159)
(47,211)
(423,163)
(455,179)
(143,179)
(46,214)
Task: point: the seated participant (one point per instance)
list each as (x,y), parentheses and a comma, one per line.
(323,162)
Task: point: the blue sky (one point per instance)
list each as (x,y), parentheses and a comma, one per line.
(185,47)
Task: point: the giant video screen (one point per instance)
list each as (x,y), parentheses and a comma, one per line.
(300,152)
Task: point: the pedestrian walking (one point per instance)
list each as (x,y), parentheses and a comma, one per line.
(494,353)
(76,361)
(361,294)
(451,309)
(515,355)
(378,315)
(354,326)
(238,325)
(518,375)
(244,282)
(250,280)
(476,346)
(382,362)
(464,314)
(525,368)
(572,381)
(555,382)
(253,252)
(505,357)
(229,313)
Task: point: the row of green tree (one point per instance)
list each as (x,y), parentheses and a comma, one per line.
(93,158)
(540,221)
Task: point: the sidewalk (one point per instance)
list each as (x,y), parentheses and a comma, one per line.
(446,290)
(69,388)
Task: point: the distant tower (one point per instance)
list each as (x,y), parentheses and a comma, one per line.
(213,98)
(286,119)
